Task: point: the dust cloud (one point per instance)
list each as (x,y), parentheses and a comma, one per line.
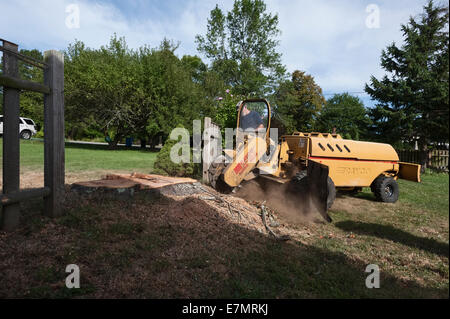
(294,204)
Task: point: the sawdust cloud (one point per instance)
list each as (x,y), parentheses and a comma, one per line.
(294,206)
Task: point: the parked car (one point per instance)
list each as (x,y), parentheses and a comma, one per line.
(27,127)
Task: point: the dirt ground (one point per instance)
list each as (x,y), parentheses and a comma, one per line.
(32,179)
(177,237)
(202,245)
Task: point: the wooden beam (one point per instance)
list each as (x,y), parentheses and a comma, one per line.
(27,194)
(15,83)
(27,59)
(11,152)
(54,133)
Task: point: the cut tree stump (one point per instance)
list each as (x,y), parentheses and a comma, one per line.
(123,186)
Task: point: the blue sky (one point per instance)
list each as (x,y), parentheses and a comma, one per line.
(328,39)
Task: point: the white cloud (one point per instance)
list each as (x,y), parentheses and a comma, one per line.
(328,39)
(41,24)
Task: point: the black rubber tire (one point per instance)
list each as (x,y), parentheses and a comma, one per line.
(213,170)
(331,192)
(300,183)
(385,189)
(25,134)
(372,186)
(222,186)
(216,178)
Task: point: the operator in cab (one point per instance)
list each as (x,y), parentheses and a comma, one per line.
(250,120)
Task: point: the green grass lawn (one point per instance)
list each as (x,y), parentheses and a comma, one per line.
(87,158)
(408,240)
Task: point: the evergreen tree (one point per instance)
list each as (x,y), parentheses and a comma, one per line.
(413,100)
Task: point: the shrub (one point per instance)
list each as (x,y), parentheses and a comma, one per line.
(164,165)
(40,133)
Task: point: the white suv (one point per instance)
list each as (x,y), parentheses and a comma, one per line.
(27,127)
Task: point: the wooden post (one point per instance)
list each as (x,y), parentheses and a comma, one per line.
(11,147)
(54,132)
(430,158)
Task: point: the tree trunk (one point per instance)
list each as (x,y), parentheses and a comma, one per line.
(73,133)
(151,142)
(424,154)
(143,143)
(113,144)
(115,141)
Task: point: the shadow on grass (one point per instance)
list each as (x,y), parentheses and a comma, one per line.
(182,249)
(267,268)
(361,195)
(108,148)
(396,235)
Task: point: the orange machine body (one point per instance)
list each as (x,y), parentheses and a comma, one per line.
(351,163)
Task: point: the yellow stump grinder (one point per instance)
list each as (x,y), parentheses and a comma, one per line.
(309,167)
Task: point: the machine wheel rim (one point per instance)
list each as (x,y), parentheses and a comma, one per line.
(26,135)
(389,190)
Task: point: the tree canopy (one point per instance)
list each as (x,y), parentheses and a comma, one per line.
(31,103)
(242,46)
(346,114)
(298,102)
(124,92)
(117,92)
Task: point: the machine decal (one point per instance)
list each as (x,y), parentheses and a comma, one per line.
(240,167)
(353,171)
(349,159)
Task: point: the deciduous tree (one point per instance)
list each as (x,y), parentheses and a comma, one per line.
(298,102)
(346,114)
(242,46)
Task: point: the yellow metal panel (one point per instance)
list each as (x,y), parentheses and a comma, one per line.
(410,172)
(316,134)
(349,173)
(246,159)
(293,143)
(303,147)
(326,147)
(270,167)
(284,156)
(229,153)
